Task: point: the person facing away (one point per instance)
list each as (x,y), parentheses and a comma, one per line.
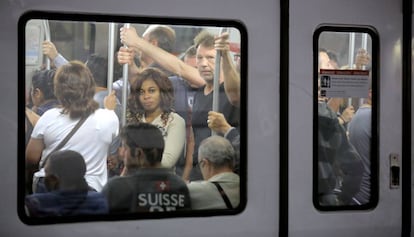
(98,66)
(74,87)
(146,186)
(203,98)
(68,192)
(360,133)
(340,167)
(42,95)
(151,101)
(221,186)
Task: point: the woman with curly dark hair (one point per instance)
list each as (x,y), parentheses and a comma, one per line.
(151,101)
(74,87)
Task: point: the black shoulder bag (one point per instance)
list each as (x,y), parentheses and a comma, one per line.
(223,195)
(66,139)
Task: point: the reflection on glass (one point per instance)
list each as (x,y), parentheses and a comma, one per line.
(344,119)
(137,149)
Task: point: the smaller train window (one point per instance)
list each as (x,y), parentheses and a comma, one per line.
(130,117)
(345,139)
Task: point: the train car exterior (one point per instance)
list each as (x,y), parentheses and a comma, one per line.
(281,106)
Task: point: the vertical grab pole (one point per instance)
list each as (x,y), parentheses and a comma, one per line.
(351,50)
(216,91)
(47,37)
(364,45)
(111,49)
(125,86)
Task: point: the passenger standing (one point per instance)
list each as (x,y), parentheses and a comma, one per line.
(151,101)
(98,66)
(42,95)
(146,185)
(155,50)
(162,38)
(221,186)
(216,120)
(328,60)
(75,88)
(184,164)
(340,167)
(203,99)
(360,133)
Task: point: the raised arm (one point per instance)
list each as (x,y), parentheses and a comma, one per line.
(167,60)
(49,49)
(126,55)
(228,70)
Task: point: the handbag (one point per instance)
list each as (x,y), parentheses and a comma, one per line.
(36,180)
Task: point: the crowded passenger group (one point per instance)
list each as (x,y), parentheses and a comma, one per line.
(82,158)
(344,139)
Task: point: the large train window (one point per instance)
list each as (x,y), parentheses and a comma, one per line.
(345,138)
(130,117)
